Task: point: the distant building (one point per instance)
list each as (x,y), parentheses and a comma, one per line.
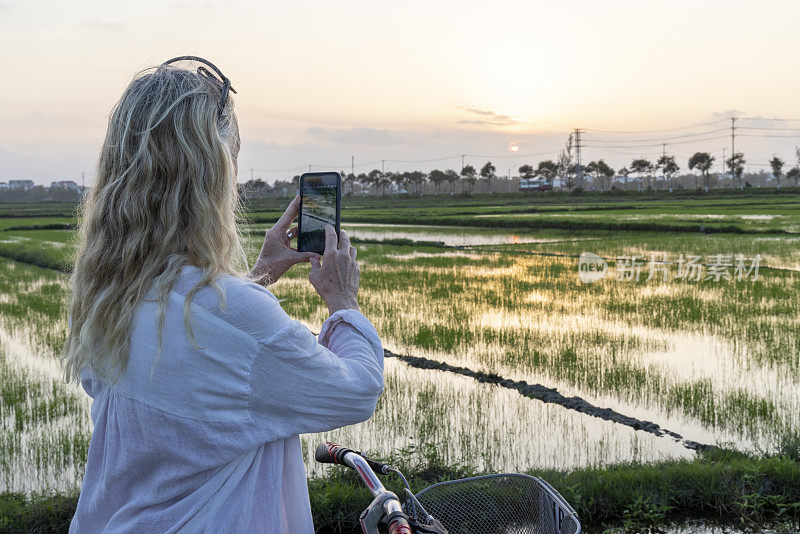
(20,184)
(69,184)
(397,190)
(3,185)
(527,184)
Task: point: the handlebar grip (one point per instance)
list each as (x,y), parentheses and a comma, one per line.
(331,453)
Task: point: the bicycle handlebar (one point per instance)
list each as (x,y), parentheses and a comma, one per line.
(331,453)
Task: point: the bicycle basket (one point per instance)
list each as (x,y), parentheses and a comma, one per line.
(496,504)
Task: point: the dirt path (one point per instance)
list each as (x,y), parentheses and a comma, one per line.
(551,395)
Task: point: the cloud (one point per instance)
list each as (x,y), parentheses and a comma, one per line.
(727,114)
(356,136)
(488,118)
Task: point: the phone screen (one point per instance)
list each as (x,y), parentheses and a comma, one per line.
(319,205)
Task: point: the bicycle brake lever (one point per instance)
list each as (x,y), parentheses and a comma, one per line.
(377,466)
(371,516)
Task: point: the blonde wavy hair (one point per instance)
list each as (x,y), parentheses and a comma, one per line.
(165,197)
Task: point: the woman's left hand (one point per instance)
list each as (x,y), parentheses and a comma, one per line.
(277,255)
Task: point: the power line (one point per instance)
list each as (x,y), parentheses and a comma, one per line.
(659,144)
(682,136)
(770,135)
(608,145)
(766,119)
(656,131)
(768,128)
(624,153)
(368,164)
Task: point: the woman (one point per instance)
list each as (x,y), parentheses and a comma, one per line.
(201,382)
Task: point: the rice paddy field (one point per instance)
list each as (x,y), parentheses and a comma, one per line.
(500,356)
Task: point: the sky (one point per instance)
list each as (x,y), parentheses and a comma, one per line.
(410,82)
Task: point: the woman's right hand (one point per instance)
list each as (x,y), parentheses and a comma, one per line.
(336,277)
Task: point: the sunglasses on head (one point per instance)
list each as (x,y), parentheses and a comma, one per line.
(226,83)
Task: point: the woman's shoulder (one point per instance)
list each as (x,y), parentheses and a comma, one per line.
(248,306)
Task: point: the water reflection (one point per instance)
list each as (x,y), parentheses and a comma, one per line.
(487,427)
(626,345)
(729,378)
(452,236)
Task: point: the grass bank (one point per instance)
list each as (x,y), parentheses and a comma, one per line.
(721,486)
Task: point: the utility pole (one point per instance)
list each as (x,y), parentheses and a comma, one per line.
(578,167)
(723,164)
(353,165)
(733,148)
(382,162)
(83,180)
(509,179)
(251,173)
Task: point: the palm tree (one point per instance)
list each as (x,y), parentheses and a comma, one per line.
(624,172)
(374,179)
(487,173)
(736,166)
(548,170)
(399,179)
(361,178)
(418,179)
(797,166)
(777,168)
(385,181)
(702,161)
(590,169)
(468,175)
(669,167)
(392,178)
(526,172)
(604,173)
(437,177)
(641,166)
(793,174)
(452,177)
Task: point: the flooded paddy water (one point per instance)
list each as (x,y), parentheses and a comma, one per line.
(715,362)
(451,236)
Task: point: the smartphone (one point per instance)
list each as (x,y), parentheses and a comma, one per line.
(320,200)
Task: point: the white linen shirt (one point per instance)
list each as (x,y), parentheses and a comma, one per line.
(210,443)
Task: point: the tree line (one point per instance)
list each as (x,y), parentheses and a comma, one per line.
(39,193)
(646,175)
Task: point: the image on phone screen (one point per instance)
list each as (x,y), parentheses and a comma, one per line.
(318,207)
